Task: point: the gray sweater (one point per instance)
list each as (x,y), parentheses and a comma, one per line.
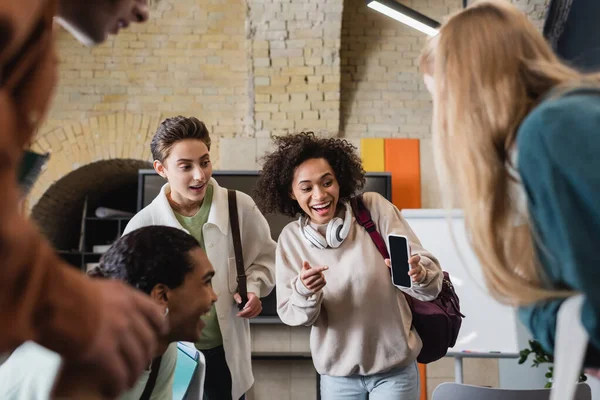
(361,322)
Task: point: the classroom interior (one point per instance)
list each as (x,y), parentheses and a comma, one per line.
(252,69)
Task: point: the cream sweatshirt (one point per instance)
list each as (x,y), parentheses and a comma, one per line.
(361,322)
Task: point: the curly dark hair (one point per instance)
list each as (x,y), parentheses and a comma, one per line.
(275,182)
(148,256)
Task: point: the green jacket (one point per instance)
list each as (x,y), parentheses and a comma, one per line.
(559,162)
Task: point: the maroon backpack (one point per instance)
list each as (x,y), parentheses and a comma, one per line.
(437,321)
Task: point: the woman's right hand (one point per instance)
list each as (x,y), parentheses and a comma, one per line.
(593,372)
(313,278)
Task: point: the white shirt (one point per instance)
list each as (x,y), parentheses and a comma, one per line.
(31,370)
(29,373)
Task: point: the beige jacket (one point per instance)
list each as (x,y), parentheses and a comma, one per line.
(259,258)
(361,323)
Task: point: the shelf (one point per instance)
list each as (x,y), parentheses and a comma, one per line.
(68,252)
(108,219)
(78,253)
(272,355)
(260,320)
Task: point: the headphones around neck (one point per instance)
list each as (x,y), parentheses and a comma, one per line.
(337,231)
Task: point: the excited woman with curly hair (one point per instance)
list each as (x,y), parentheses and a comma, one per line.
(331,276)
(278,171)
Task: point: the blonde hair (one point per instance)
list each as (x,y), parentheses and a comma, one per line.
(491,67)
(427,59)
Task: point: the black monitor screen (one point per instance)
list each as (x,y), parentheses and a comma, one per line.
(245,181)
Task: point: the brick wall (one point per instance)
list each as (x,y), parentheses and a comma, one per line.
(189,58)
(249,69)
(295,61)
(382,91)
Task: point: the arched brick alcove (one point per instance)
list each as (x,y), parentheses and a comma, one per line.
(106,183)
(122,136)
(98,158)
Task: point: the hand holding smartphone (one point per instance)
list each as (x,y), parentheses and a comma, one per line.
(399,256)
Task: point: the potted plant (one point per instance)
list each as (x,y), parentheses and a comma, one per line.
(542,357)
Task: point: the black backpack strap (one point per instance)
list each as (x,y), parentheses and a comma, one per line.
(237,247)
(363,217)
(361,213)
(154,368)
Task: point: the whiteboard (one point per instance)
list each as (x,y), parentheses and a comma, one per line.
(489,327)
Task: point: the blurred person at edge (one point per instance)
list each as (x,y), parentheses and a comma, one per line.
(516,143)
(101,323)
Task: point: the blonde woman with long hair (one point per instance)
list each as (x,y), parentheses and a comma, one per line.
(517,143)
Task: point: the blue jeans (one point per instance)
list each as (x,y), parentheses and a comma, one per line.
(395,384)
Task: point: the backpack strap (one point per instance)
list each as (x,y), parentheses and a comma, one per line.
(154,368)
(237,247)
(363,217)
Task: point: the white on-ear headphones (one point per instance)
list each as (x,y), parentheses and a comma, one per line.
(337,231)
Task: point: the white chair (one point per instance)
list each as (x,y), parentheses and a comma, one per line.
(457,391)
(189,373)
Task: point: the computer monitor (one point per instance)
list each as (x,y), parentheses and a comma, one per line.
(149,184)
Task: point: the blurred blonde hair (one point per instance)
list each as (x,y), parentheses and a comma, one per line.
(427,59)
(491,67)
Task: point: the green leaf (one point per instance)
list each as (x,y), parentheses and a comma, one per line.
(536,346)
(542,357)
(524,354)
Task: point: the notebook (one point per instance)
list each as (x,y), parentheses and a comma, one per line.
(187,363)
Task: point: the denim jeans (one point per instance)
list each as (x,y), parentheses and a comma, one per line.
(395,384)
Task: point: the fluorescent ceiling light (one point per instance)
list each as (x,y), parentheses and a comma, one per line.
(405,15)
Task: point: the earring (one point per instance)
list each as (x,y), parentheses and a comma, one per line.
(166,312)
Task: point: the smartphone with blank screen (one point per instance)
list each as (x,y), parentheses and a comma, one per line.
(399,255)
